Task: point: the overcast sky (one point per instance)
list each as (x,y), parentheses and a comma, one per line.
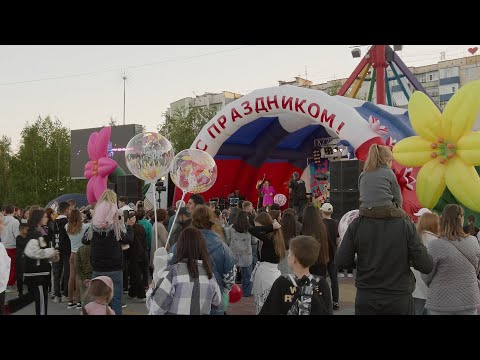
(158,75)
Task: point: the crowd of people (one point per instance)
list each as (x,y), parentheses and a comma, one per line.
(91,258)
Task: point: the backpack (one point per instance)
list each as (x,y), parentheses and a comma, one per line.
(306,296)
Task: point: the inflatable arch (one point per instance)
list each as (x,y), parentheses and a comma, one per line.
(271,131)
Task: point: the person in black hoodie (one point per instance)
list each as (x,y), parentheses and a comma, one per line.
(385,248)
(61,242)
(288,296)
(37,267)
(107,237)
(138,258)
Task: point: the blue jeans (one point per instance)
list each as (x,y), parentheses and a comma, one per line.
(246,283)
(420,306)
(117,279)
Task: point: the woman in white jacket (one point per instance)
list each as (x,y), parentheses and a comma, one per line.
(4,269)
(428,227)
(38,253)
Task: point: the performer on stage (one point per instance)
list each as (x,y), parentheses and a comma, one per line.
(259,191)
(268,193)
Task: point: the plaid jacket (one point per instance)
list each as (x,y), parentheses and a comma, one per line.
(178,294)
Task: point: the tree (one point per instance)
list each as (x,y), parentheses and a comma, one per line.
(5,156)
(112,122)
(40,171)
(183,126)
(334,88)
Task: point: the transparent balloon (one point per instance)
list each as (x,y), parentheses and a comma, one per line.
(280,199)
(194,171)
(148,156)
(180,203)
(345,221)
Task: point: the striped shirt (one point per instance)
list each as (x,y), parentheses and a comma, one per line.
(177,293)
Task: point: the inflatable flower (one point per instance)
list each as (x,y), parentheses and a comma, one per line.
(100,165)
(405,178)
(445,148)
(376,126)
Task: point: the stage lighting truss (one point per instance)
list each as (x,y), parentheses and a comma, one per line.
(328,148)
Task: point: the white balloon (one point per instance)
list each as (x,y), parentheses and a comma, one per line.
(345,221)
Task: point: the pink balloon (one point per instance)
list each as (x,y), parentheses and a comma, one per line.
(100,165)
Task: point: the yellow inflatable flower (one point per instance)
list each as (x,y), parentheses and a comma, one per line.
(446,147)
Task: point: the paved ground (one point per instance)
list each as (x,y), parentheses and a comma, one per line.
(244,307)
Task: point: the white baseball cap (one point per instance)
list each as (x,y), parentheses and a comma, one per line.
(422,211)
(327,207)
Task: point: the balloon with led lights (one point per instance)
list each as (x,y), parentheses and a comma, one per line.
(345,221)
(148,156)
(280,199)
(193,171)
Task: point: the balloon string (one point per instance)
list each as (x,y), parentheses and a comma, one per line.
(175,220)
(152,184)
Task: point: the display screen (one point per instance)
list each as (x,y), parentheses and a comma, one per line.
(119,139)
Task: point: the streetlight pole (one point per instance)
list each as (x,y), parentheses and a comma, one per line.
(124,80)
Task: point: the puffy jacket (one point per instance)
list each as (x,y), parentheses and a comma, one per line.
(107,253)
(10,232)
(37,255)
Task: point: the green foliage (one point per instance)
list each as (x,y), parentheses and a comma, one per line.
(333,90)
(183,126)
(448,198)
(40,170)
(5,158)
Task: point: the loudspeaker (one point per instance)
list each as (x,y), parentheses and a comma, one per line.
(335,176)
(129,186)
(343,202)
(344,195)
(344,175)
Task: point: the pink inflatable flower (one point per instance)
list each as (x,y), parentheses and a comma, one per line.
(100,165)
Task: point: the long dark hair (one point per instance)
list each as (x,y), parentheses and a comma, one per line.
(451,223)
(242,224)
(289,227)
(191,246)
(34,218)
(313,226)
(75,222)
(50,212)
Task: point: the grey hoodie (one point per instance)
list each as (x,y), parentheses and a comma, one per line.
(10,232)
